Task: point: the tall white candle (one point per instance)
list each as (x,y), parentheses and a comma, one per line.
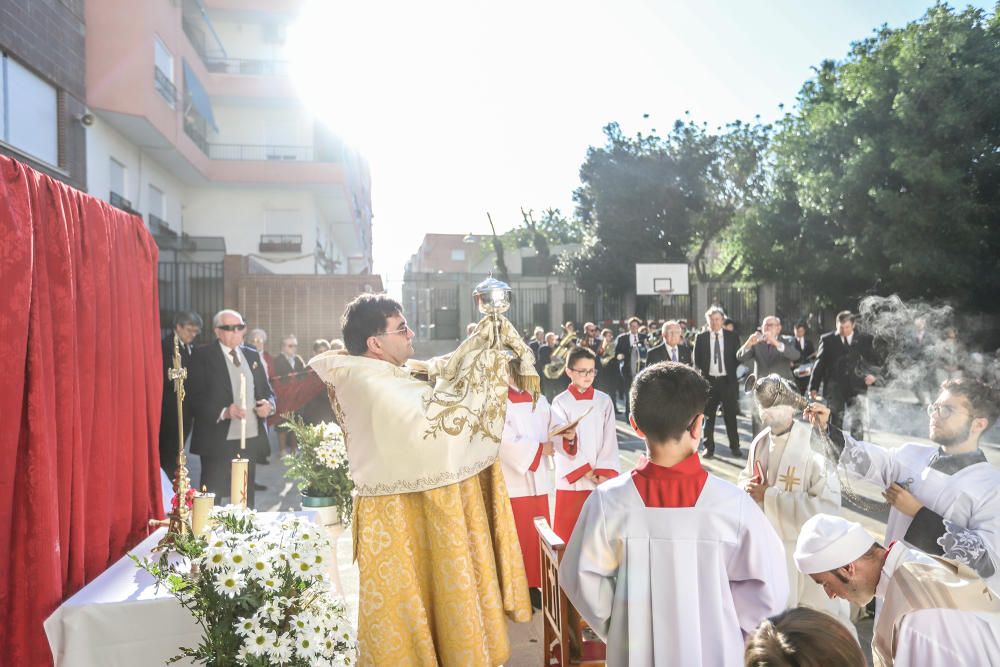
(243,404)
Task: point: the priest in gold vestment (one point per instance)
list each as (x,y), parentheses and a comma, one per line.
(434,537)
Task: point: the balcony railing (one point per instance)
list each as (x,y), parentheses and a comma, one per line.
(260,152)
(164,86)
(195,35)
(248,66)
(159,227)
(281,243)
(196,135)
(118,201)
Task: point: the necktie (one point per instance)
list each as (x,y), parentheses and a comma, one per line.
(673,354)
(236,357)
(718,354)
(846,344)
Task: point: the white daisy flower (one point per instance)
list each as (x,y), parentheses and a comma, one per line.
(229,583)
(260,642)
(281,649)
(247,626)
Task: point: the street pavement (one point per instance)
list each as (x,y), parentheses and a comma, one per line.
(906,419)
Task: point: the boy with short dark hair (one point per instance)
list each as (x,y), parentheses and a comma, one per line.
(586,454)
(671,565)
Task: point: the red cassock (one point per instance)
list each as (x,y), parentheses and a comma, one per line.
(528,477)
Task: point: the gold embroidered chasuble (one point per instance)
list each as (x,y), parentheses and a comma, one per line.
(434,538)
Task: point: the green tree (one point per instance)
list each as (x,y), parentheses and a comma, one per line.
(887,175)
(666,199)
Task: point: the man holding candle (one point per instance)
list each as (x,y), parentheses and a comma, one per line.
(230,399)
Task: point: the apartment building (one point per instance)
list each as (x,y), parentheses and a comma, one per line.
(42,87)
(199,129)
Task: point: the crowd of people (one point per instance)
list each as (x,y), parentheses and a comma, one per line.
(667,563)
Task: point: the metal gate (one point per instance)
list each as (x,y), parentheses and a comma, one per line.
(739,303)
(190,286)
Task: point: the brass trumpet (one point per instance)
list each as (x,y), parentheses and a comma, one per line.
(557,362)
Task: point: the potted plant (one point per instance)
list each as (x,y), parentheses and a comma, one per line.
(259,591)
(319,468)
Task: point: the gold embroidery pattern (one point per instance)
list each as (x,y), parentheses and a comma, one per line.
(424,483)
(476,401)
(440,573)
(789,480)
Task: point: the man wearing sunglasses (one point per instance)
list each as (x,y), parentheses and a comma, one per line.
(213,388)
(946,498)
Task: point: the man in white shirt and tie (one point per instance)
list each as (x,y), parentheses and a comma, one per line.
(672,348)
(715,356)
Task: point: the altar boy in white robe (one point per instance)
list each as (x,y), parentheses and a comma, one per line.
(525,457)
(791,482)
(946,498)
(671,565)
(587,454)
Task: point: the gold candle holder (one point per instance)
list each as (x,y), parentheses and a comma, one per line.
(240,482)
(178,522)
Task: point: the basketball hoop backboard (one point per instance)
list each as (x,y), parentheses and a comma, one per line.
(661,279)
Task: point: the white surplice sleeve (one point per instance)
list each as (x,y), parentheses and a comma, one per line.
(517,449)
(869,462)
(758,577)
(819,492)
(589,569)
(607,453)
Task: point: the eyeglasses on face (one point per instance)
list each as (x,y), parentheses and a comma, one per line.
(232,327)
(403,330)
(585,372)
(945,411)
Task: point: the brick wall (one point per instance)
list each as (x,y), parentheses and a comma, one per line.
(47,36)
(305,305)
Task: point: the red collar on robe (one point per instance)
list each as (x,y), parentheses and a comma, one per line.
(515,396)
(674,486)
(581,396)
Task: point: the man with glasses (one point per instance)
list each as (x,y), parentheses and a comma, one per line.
(438,555)
(945,499)
(213,389)
(187,326)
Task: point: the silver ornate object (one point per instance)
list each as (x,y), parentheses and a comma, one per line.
(773,390)
(492,297)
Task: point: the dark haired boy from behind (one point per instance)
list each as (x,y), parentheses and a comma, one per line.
(670,546)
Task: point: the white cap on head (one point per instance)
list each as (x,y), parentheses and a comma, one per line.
(827,542)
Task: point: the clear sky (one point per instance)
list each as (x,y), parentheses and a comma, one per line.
(469,106)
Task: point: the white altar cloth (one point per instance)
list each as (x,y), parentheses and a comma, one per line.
(120,620)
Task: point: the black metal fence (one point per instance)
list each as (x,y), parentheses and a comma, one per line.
(741,305)
(190,286)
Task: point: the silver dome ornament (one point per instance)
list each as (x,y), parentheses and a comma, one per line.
(492,297)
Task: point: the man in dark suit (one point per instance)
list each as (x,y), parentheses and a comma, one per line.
(187,326)
(672,348)
(807,353)
(770,352)
(715,357)
(630,351)
(214,391)
(537,341)
(845,362)
(289,361)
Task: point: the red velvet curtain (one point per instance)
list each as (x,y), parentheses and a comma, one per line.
(79,397)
